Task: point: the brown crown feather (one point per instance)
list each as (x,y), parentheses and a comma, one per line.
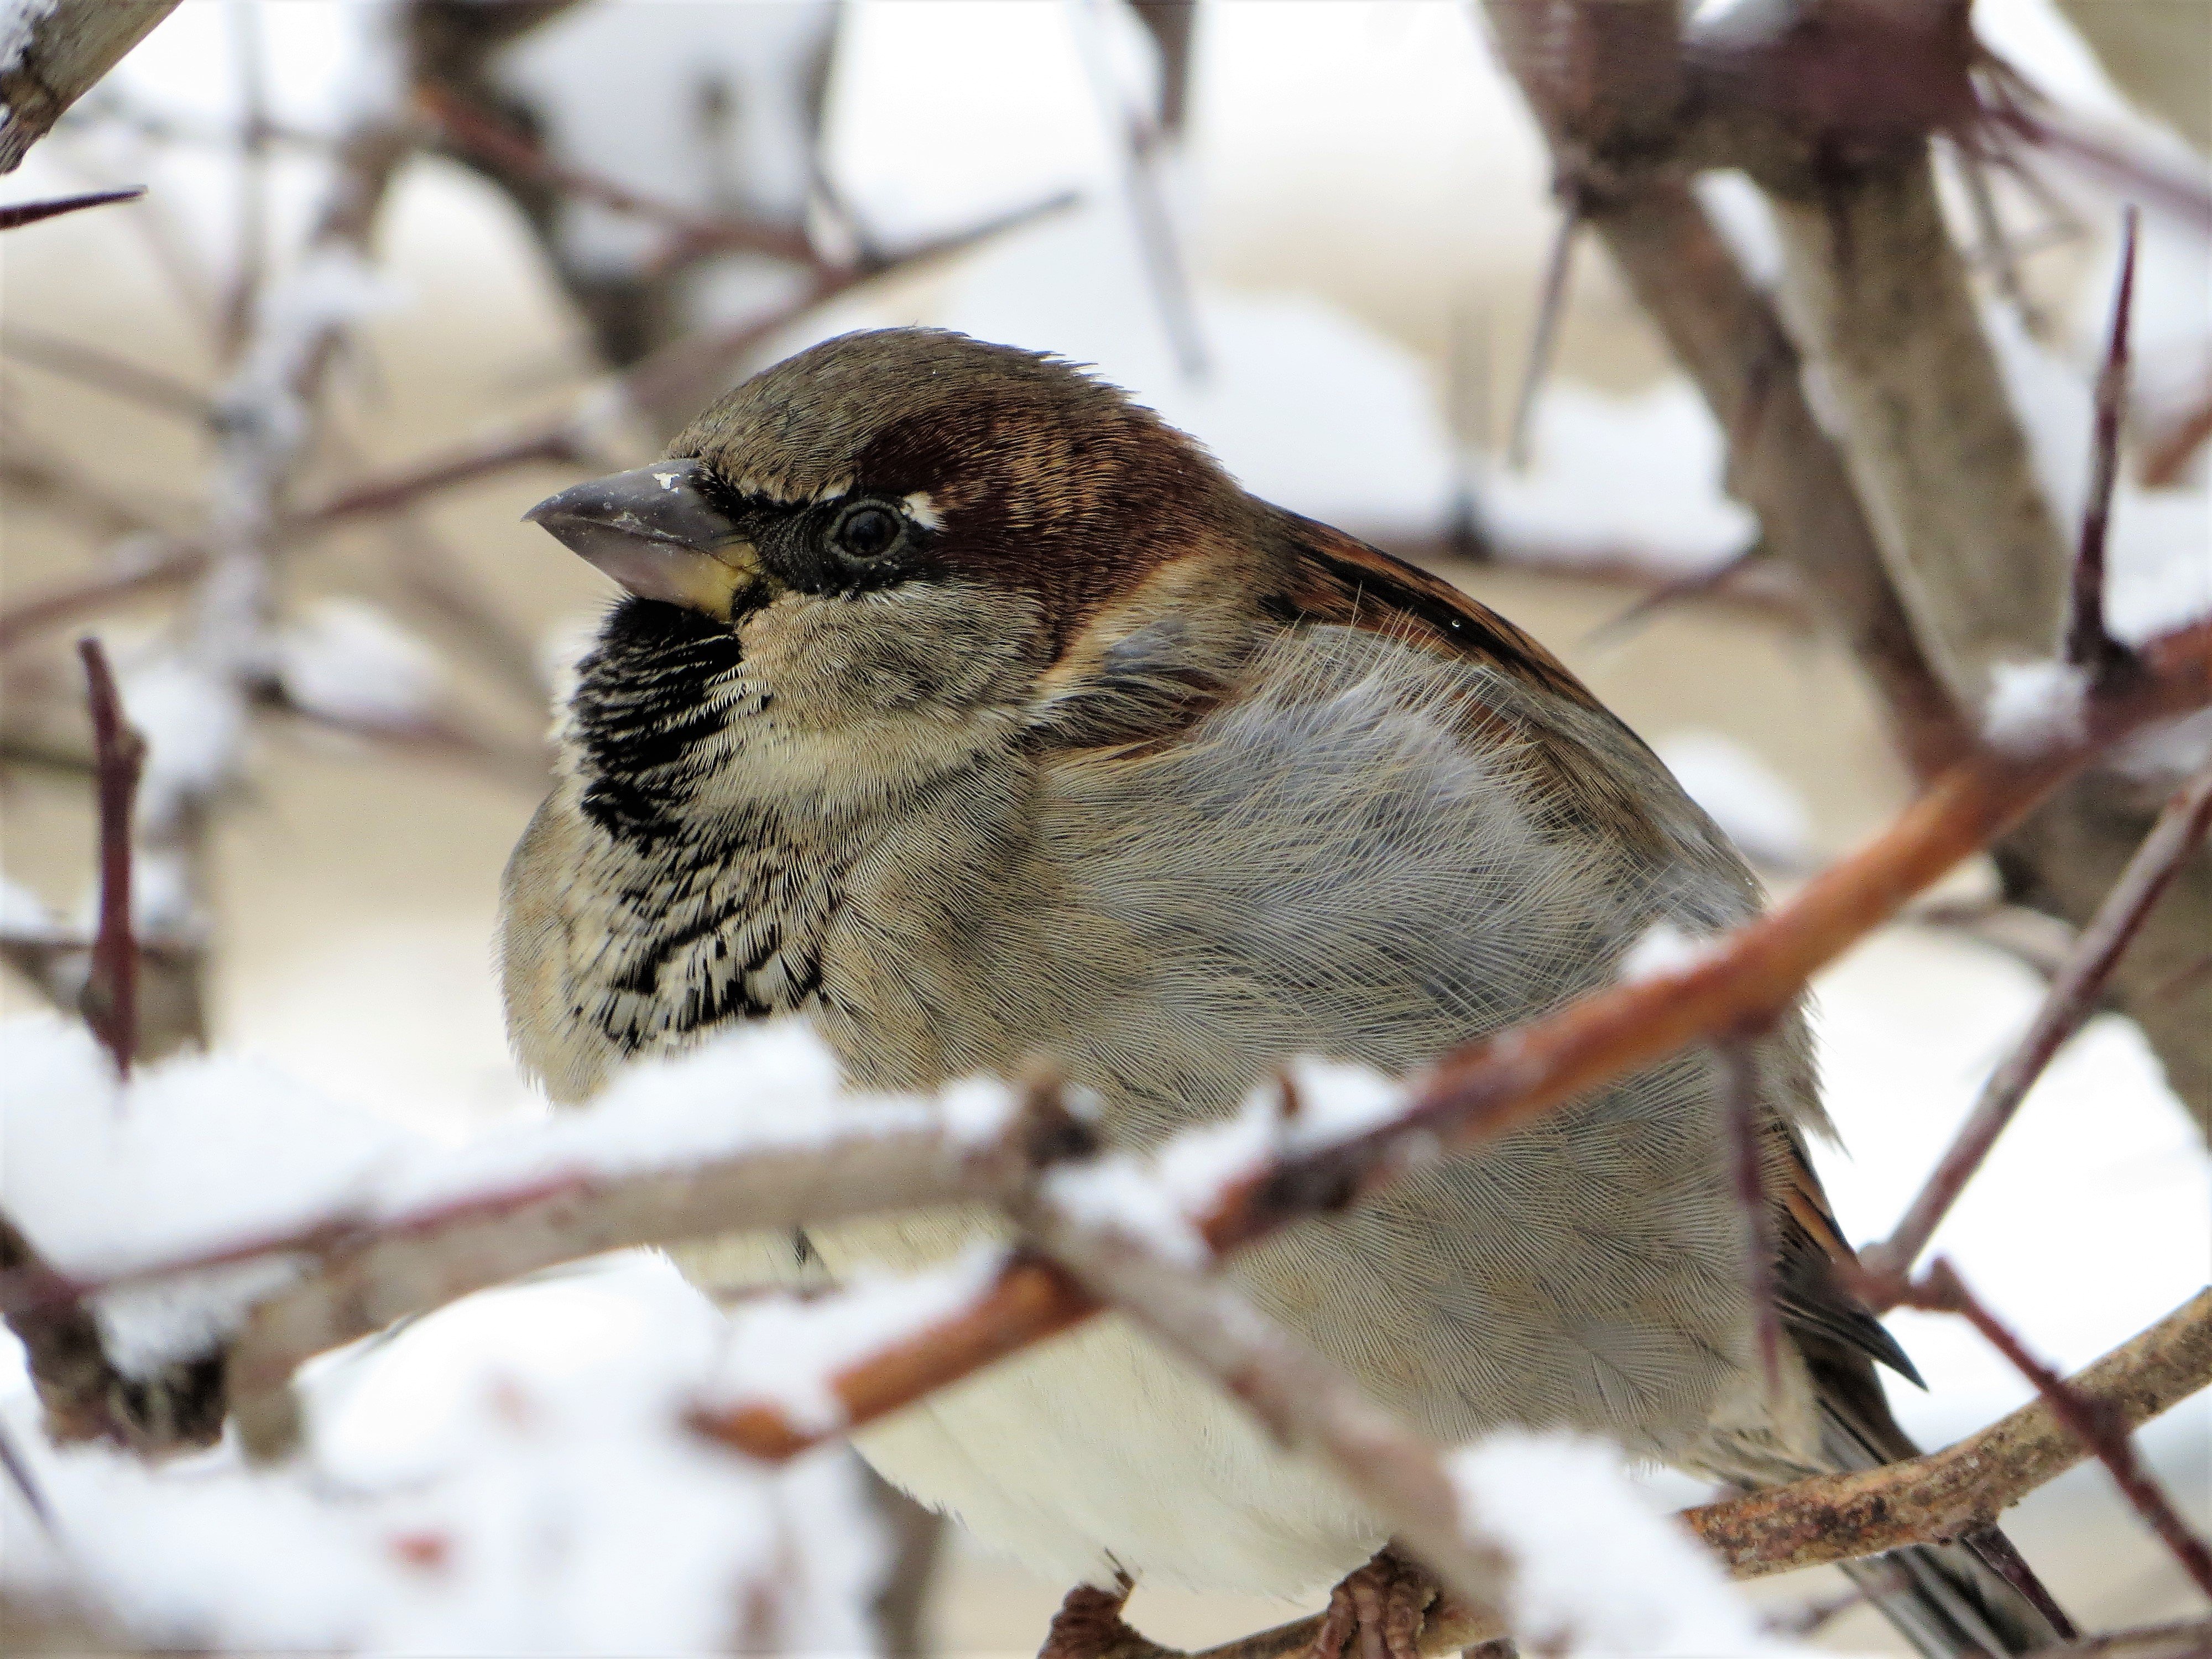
(1047,479)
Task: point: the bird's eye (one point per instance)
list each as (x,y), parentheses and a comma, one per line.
(866,531)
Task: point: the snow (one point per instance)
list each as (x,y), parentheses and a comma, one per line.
(199,1153)
(194,1153)
(1160,1197)
(2034,705)
(1622,476)
(1661,949)
(331,286)
(19,24)
(2158,556)
(510,1476)
(700,107)
(2093,1216)
(23,914)
(786,1351)
(1557,1504)
(1758,809)
(193,721)
(347,661)
(774,1086)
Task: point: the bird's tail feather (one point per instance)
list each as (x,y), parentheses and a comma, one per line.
(1950,1599)
(1975,1596)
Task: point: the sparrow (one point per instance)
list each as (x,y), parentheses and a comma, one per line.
(961,705)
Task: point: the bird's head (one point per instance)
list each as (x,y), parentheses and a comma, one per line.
(883,473)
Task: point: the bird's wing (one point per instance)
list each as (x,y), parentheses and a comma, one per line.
(1335,578)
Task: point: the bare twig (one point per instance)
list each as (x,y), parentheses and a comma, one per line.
(250,269)
(1997,254)
(2091,1420)
(66,48)
(1307,1404)
(470,128)
(2073,995)
(18,214)
(111,996)
(95,366)
(1749,1174)
(19,1474)
(1841,1518)
(1142,148)
(2171,450)
(1544,337)
(2089,643)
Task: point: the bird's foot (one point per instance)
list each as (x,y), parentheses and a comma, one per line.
(1089,1625)
(1378,1611)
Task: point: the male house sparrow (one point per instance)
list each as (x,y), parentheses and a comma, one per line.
(966,708)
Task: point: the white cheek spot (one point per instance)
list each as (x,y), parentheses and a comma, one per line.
(923,511)
(665,480)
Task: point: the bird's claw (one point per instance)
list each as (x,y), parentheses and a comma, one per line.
(1089,1625)
(1376,1611)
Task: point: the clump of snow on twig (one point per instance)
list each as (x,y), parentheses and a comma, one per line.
(2034,705)
(512,1475)
(1758,810)
(23,914)
(1559,1506)
(771,1087)
(785,1350)
(193,721)
(347,661)
(1611,477)
(2157,577)
(1160,1197)
(19,26)
(1662,949)
(331,286)
(191,1154)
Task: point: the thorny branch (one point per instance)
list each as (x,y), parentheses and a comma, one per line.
(1921,525)
(2072,997)
(1835,1517)
(2089,644)
(2092,1421)
(110,995)
(18,214)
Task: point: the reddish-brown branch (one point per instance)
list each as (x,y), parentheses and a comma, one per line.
(1489,1088)
(65,601)
(2073,995)
(1544,337)
(2170,451)
(555,446)
(470,128)
(95,366)
(111,1000)
(1841,1518)
(29,213)
(2092,1421)
(2089,643)
(1749,1174)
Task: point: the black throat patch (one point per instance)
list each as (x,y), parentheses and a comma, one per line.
(651,696)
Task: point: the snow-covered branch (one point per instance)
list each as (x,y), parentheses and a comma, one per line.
(54,51)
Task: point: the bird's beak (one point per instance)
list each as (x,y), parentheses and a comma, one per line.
(656,532)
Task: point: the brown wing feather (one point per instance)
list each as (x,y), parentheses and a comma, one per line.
(1337,579)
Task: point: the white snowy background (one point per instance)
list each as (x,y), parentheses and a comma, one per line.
(1359,190)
